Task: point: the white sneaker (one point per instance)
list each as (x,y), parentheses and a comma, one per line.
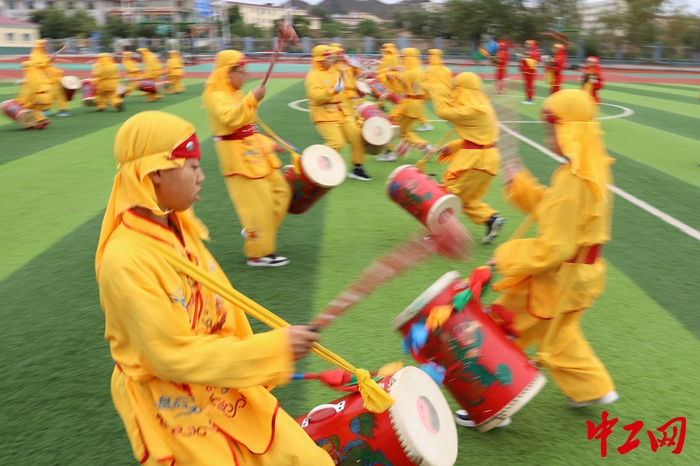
(425,127)
(463,419)
(386,157)
(527,102)
(603,400)
(271,260)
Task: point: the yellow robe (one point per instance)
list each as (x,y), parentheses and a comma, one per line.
(152,69)
(410,109)
(35,93)
(180,399)
(569,221)
(106,80)
(133,73)
(257,189)
(58,95)
(176,70)
(333,117)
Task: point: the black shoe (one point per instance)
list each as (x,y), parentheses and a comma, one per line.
(493,225)
(359,174)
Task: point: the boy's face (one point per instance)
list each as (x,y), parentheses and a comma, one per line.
(237,76)
(178,188)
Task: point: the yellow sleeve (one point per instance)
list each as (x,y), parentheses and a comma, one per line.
(156,332)
(233,115)
(317,92)
(525,192)
(556,233)
(457,115)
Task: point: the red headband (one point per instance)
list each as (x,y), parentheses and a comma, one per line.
(188,149)
(550,117)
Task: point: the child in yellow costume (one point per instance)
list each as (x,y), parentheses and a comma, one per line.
(436,73)
(152,70)
(553,278)
(473,159)
(410,108)
(349,70)
(35,93)
(258,190)
(176,71)
(388,64)
(38,55)
(333,117)
(132,73)
(105,74)
(58,95)
(191,381)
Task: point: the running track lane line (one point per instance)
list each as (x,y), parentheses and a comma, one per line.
(693,233)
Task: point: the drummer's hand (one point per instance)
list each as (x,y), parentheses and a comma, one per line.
(259,92)
(491,262)
(302,339)
(511,167)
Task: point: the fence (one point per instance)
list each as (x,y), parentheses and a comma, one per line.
(453,49)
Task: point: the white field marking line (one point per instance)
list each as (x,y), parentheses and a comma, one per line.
(634,200)
(625,112)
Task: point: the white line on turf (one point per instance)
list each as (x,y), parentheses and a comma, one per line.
(693,233)
(625,112)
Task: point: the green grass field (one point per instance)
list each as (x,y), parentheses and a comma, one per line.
(55,365)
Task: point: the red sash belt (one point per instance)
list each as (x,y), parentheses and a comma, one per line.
(415,97)
(241,133)
(466,144)
(593,253)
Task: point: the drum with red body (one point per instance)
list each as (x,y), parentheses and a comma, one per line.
(486,373)
(416,430)
(70,84)
(88,90)
(24,117)
(381,92)
(362,88)
(320,168)
(422,197)
(377,130)
(147,85)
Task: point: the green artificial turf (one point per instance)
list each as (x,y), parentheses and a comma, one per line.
(55,365)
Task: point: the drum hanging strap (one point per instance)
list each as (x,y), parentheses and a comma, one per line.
(375,399)
(274,136)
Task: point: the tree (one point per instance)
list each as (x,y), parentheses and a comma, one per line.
(301,26)
(241,29)
(368,28)
(234,14)
(80,24)
(331,28)
(115,27)
(321,13)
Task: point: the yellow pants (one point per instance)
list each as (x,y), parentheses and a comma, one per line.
(104,97)
(577,371)
(261,205)
(471,186)
(335,134)
(406,125)
(175,85)
(291,446)
(59,97)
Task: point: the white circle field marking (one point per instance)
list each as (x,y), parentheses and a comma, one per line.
(626,112)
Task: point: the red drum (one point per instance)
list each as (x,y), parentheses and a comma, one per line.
(377,129)
(381,92)
(416,430)
(164,85)
(422,197)
(70,84)
(24,117)
(486,373)
(88,90)
(321,168)
(146,85)
(362,88)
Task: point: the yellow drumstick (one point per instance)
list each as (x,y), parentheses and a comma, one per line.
(420,164)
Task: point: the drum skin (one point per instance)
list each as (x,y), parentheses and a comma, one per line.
(15,111)
(320,168)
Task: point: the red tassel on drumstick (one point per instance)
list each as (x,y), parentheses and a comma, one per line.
(285,34)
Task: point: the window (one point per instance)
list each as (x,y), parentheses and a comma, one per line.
(70,5)
(10,5)
(10,37)
(26,38)
(90,5)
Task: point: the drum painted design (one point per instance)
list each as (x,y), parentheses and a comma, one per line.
(379,91)
(88,90)
(362,88)
(15,111)
(377,129)
(70,84)
(321,168)
(417,430)
(488,50)
(486,373)
(146,85)
(422,197)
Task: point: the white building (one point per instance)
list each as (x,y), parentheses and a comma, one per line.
(353,18)
(17,36)
(265,16)
(432,7)
(592,12)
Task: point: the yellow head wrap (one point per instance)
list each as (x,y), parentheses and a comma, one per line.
(143,145)
(411,59)
(579,137)
(126,54)
(218,79)
(467,91)
(319,54)
(435,57)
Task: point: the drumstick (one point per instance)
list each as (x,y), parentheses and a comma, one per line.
(451,239)
(59,51)
(420,164)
